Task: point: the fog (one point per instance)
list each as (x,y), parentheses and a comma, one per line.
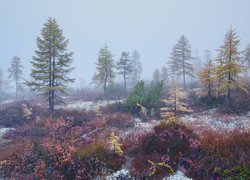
(150,27)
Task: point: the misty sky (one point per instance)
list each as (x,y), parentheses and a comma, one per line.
(150,26)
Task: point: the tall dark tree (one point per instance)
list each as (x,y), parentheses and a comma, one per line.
(181,57)
(51,64)
(105,69)
(16,72)
(124,67)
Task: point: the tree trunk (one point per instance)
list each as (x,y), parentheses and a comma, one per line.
(125,82)
(16,89)
(183,71)
(53,86)
(50,84)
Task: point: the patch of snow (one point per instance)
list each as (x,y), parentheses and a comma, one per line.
(216,121)
(177,176)
(3,131)
(122,174)
(140,128)
(7,101)
(87,105)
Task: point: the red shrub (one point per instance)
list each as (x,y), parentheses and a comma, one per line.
(171,143)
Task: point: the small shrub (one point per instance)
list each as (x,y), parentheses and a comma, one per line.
(16,115)
(237,173)
(148,97)
(170,143)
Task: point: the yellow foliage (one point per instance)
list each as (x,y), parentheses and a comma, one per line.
(154,167)
(143,110)
(206,76)
(175,103)
(96,149)
(27,112)
(98,111)
(115,144)
(230,64)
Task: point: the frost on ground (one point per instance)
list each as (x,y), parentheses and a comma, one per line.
(3,131)
(213,120)
(87,105)
(122,174)
(140,128)
(177,176)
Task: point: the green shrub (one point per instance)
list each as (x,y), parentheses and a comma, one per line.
(148,96)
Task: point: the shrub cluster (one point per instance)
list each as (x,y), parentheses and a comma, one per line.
(148,96)
(174,146)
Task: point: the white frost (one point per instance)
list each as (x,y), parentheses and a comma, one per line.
(3,131)
(177,176)
(87,105)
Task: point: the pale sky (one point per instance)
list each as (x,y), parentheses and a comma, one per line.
(150,26)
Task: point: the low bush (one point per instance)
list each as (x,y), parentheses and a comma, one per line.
(221,152)
(147,96)
(170,143)
(118,120)
(16,114)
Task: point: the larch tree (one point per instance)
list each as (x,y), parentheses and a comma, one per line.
(16,73)
(175,104)
(105,69)
(51,64)
(124,67)
(246,57)
(137,67)
(181,57)
(164,74)
(156,75)
(206,76)
(230,64)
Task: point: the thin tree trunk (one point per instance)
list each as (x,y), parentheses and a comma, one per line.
(53,85)
(125,82)
(183,70)
(16,89)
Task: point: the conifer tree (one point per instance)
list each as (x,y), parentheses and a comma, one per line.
(246,57)
(164,74)
(105,69)
(206,76)
(124,67)
(175,104)
(51,64)
(16,73)
(156,75)
(181,57)
(230,64)
(137,67)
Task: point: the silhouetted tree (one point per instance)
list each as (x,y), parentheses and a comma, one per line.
(181,57)
(206,76)
(105,68)
(164,74)
(156,75)
(137,67)
(16,72)
(124,67)
(246,57)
